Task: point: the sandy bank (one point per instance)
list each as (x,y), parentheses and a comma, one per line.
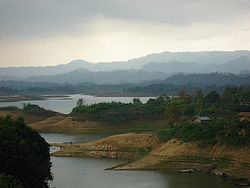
(125,146)
(144,152)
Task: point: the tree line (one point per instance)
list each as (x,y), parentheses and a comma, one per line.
(180,111)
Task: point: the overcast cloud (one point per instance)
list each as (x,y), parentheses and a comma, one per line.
(48,32)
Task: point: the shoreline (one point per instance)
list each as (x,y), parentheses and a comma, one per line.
(143,151)
(30,97)
(20,98)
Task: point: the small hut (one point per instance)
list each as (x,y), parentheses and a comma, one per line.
(244,116)
(201,119)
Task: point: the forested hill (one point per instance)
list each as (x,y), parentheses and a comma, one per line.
(188,82)
(191,82)
(209,79)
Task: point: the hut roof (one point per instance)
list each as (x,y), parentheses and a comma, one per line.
(204,118)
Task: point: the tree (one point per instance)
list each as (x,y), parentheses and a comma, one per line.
(182,94)
(174,111)
(136,101)
(80,102)
(228,96)
(24,153)
(162,99)
(212,97)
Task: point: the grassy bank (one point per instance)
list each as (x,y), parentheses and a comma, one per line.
(30,113)
(66,124)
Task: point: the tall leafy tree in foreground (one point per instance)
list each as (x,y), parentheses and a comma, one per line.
(24,154)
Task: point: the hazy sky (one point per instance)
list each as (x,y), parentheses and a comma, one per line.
(50,32)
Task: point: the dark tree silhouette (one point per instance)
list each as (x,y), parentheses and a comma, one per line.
(24,153)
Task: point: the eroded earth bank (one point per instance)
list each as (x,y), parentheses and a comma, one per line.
(145,151)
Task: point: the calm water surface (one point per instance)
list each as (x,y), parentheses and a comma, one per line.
(90,173)
(66,104)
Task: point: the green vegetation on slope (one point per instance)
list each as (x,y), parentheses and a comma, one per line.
(212,132)
(117,112)
(33,109)
(30,109)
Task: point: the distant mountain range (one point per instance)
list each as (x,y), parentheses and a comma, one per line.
(239,65)
(150,67)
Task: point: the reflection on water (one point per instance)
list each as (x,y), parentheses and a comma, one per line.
(79,173)
(90,173)
(60,138)
(66,104)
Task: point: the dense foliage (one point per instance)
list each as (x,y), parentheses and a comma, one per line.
(24,154)
(117,112)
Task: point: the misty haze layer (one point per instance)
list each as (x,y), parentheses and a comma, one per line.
(148,68)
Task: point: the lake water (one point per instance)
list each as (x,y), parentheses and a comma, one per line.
(66,104)
(90,173)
